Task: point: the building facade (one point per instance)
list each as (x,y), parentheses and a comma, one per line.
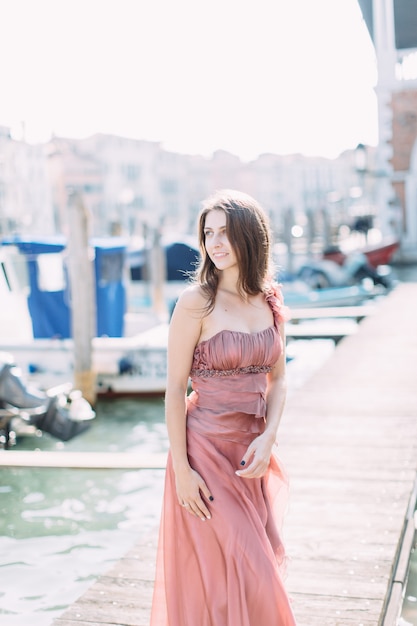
(392,26)
(130,187)
(25,196)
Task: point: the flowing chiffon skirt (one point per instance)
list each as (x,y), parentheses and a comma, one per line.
(227,571)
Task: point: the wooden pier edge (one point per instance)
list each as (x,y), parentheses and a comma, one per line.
(349,442)
(395,595)
(81,460)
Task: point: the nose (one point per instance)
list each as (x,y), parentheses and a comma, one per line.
(216,240)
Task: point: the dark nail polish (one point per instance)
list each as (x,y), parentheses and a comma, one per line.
(211,498)
(242,462)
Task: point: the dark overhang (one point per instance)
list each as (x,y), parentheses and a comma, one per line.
(405,22)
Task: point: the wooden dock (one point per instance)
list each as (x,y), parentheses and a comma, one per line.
(357,312)
(334,330)
(349,441)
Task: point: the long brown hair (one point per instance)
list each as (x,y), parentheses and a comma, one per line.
(248,231)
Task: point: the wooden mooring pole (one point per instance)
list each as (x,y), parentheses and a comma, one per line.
(82,296)
(157,273)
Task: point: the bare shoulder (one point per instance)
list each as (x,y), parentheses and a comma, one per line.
(193,301)
(186,322)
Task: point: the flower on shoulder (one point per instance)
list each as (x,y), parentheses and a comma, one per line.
(275,299)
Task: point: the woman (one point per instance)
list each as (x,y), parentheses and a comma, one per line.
(220,555)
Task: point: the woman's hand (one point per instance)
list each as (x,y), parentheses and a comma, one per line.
(190,487)
(258,455)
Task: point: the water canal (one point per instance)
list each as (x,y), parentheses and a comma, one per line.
(60,528)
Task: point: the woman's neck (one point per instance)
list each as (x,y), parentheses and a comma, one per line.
(229,281)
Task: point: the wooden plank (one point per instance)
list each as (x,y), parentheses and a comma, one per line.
(134,612)
(393,609)
(312,609)
(82,460)
(311,330)
(357,313)
(332,620)
(82,622)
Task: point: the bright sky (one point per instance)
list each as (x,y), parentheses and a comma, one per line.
(247,76)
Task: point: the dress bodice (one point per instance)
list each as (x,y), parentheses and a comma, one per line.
(229,369)
(231,351)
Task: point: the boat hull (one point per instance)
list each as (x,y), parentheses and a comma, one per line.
(126,366)
(379,254)
(333,296)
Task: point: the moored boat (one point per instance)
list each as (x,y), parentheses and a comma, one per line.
(25,409)
(301,296)
(380,253)
(123,366)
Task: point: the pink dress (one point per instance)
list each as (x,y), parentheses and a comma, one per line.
(226,571)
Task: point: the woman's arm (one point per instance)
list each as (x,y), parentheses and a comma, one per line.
(184,333)
(259,451)
(276,392)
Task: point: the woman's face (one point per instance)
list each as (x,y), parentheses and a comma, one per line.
(216,241)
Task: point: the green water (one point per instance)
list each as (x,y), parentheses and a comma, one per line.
(61,528)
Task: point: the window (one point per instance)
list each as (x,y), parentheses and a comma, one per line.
(169,186)
(131,171)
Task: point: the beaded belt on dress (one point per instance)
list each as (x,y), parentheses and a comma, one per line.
(250,369)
